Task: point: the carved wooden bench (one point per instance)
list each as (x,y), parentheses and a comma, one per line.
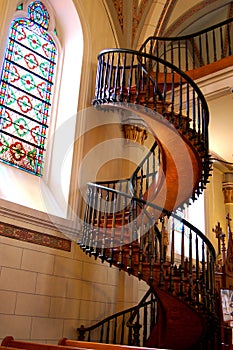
(98,346)
(64,344)
(10,343)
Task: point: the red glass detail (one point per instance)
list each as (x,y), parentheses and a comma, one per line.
(34,133)
(22,35)
(41,89)
(7,120)
(45,49)
(24,103)
(17,151)
(31,61)
(15,75)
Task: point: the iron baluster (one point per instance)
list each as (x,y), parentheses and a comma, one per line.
(214,46)
(171,287)
(229,39)
(182,263)
(221,43)
(207,48)
(190,267)
(122,78)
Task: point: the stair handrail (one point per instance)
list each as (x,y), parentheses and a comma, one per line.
(164,212)
(132,311)
(154,43)
(134,176)
(111,86)
(104,99)
(101,240)
(173,67)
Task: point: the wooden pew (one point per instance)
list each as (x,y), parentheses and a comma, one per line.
(6,348)
(10,343)
(99,346)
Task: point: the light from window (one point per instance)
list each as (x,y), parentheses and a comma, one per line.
(26,87)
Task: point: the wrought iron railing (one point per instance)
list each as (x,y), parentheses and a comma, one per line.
(131,326)
(196,50)
(146,172)
(125,76)
(131,240)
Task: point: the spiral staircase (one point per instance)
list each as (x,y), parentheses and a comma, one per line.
(127,222)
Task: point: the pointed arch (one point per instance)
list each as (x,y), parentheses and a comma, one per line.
(26,90)
(50,192)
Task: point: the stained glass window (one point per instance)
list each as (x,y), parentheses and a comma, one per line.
(26,87)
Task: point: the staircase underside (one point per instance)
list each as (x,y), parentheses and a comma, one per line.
(180,172)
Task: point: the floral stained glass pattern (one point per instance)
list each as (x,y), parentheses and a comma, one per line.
(26,88)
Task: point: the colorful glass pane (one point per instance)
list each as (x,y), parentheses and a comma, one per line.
(26,87)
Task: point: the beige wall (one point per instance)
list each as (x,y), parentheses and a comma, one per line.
(46,293)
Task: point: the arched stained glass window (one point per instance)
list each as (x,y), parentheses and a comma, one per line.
(26,87)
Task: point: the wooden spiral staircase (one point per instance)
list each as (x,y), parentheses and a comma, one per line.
(128,221)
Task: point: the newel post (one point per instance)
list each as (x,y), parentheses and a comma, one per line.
(136,333)
(81,332)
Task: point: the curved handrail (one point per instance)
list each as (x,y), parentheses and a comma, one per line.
(120,78)
(208,45)
(134,176)
(132,311)
(164,63)
(164,211)
(126,239)
(188,36)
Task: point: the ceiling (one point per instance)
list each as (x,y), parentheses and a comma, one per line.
(135,20)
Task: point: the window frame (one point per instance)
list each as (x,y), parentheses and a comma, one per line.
(23,22)
(50,194)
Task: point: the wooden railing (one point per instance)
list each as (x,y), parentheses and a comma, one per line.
(131,326)
(126,76)
(129,240)
(191,52)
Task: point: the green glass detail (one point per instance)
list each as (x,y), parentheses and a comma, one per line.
(38,111)
(34,41)
(18,53)
(19,7)
(38,13)
(28,82)
(11,98)
(21,127)
(31,156)
(44,68)
(4,145)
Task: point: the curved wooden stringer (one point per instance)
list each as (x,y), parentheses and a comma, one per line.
(178,326)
